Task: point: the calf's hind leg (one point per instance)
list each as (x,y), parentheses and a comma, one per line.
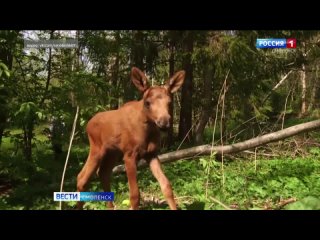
(90,167)
(105,172)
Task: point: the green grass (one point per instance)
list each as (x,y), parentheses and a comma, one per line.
(242,184)
(244,187)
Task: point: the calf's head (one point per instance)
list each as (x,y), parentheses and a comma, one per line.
(157,99)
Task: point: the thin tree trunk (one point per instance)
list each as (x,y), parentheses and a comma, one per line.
(115,75)
(171,72)
(187,90)
(304,90)
(114,79)
(68,154)
(49,72)
(3,117)
(29,144)
(27,137)
(1,134)
(78,59)
(194,152)
(207,104)
(25,142)
(315,94)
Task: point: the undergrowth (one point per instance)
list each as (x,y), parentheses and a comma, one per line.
(278,183)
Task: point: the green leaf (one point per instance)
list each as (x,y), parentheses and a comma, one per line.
(7,73)
(126,202)
(82,122)
(40,115)
(4,69)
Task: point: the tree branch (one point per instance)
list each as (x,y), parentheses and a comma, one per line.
(276,86)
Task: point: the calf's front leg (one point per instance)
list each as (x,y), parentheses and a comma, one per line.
(165,185)
(131,169)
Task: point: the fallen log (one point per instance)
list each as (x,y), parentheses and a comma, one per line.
(233,148)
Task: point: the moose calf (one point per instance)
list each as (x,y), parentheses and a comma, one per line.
(130,133)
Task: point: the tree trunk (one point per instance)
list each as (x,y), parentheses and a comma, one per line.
(4,111)
(304,90)
(138,49)
(49,72)
(315,94)
(27,137)
(115,75)
(78,53)
(187,89)
(207,103)
(194,152)
(1,134)
(171,72)
(29,144)
(114,80)
(6,57)
(137,55)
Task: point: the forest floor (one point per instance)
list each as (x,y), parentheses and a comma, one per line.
(267,181)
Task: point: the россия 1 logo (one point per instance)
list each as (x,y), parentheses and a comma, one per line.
(276,43)
(291,43)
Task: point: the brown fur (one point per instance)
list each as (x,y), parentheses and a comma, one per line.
(130,133)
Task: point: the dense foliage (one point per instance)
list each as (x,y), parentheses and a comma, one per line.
(232,92)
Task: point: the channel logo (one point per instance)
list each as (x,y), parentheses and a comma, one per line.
(83,196)
(276,43)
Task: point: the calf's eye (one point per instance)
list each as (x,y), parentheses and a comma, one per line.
(147,104)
